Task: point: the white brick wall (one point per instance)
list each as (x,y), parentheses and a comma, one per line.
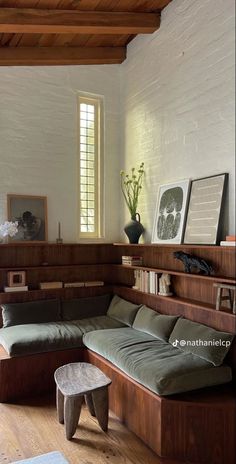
(178,100)
(177,95)
(38,139)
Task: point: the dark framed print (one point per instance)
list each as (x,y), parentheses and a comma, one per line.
(31,214)
(205,210)
(170,212)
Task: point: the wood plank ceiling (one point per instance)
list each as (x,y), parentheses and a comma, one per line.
(66,32)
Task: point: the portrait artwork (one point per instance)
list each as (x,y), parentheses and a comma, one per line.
(31,214)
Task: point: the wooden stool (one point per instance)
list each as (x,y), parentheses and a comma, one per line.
(74,382)
(230,297)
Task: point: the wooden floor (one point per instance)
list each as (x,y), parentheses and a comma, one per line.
(32,429)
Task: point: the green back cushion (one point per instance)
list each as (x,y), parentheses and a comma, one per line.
(153,323)
(81,308)
(30,312)
(200,340)
(122,310)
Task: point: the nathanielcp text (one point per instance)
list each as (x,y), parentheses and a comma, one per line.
(200,342)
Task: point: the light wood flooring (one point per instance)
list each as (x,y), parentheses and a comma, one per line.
(32,428)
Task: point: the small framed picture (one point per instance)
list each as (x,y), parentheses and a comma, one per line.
(170,212)
(31,214)
(205,210)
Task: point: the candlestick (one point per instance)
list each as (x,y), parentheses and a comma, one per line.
(59,239)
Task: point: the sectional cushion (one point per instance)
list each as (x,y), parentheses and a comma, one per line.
(97,323)
(122,310)
(156,324)
(39,338)
(30,312)
(155,364)
(79,308)
(200,340)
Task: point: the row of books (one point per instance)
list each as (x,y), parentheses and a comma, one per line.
(55,285)
(146,281)
(132,260)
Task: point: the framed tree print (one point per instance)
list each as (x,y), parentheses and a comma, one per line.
(170,212)
(205,210)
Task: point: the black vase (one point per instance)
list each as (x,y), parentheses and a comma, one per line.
(134,229)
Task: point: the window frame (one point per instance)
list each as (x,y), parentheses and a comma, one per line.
(97,102)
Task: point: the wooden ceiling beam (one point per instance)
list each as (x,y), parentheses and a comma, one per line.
(58,56)
(20,20)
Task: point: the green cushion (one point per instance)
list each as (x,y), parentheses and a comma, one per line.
(80,308)
(203,341)
(155,364)
(122,310)
(97,323)
(30,312)
(39,338)
(158,325)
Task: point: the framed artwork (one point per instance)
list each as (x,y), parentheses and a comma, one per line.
(31,214)
(205,210)
(170,212)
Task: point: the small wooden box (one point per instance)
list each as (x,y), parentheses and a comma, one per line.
(16,278)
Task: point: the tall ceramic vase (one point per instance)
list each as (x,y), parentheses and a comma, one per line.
(134,229)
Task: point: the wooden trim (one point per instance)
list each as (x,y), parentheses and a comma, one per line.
(37,21)
(56,56)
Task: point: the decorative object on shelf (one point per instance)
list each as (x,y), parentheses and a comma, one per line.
(132,260)
(8,229)
(94,283)
(59,239)
(170,212)
(16,278)
(191,261)
(131,185)
(164,285)
(205,210)
(230,297)
(23,288)
(50,285)
(31,214)
(73,284)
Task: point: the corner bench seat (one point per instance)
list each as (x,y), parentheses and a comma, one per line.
(154,363)
(26,339)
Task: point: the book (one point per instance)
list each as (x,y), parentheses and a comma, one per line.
(73,284)
(132,260)
(230,238)
(24,288)
(49,285)
(228,243)
(95,283)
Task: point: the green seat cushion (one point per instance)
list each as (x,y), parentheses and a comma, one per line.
(97,323)
(153,363)
(39,338)
(156,324)
(30,312)
(122,310)
(79,308)
(203,341)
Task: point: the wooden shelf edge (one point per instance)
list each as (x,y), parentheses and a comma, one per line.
(183,301)
(179,273)
(174,245)
(52,267)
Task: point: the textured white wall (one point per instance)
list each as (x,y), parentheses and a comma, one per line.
(178,89)
(38,139)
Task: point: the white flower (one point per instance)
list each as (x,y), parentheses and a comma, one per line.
(9,228)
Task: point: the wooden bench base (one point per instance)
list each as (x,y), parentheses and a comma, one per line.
(34,374)
(199,426)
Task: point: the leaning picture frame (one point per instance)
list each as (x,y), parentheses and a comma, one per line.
(205,210)
(30,212)
(170,212)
